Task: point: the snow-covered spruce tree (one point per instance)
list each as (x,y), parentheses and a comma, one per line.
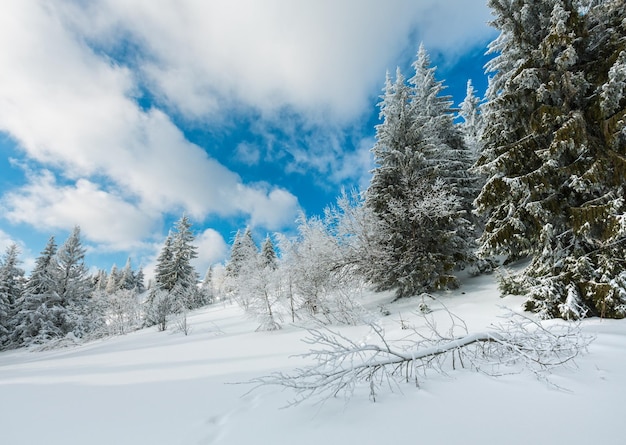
(162,275)
(268,254)
(242,249)
(183,273)
(555,154)
(40,314)
(420,190)
(233,264)
(206,288)
(231,270)
(448,154)
(175,277)
(73,284)
(472,125)
(113,280)
(11,285)
(139,281)
(243,259)
(472,128)
(99,280)
(158,305)
(128,279)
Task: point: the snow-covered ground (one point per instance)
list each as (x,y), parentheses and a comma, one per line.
(166,388)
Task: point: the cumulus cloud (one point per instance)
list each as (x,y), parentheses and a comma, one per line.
(26,258)
(74,72)
(356,165)
(212,249)
(5,241)
(323,57)
(247,153)
(272,213)
(454,26)
(104,216)
(315,64)
(73,109)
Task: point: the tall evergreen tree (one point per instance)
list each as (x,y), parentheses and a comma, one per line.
(72,283)
(432,115)
(100,280)
(243,249)
(420,190)
(11,284)
(113,280)
(127,277)
(183,252)
(139,280)
(162,272)
(472,124)
(176,279)
(206,289)
(40,315)
(268,254)
(233,265)
(555,154)
(243,260)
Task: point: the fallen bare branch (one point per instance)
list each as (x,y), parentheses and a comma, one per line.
(341,364)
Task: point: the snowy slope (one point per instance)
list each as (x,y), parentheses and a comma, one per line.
(156,388)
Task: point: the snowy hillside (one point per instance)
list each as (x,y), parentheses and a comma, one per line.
(156,388)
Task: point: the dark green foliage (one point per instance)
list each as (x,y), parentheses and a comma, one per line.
(555,155)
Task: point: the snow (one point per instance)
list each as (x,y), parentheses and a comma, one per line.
(155,388)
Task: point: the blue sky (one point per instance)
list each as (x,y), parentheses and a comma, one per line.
(121,115)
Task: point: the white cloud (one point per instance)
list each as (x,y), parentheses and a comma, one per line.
(356,165)
(118,168)
(452,27)
(323,58)
(5,241)
(71,108)
(212,249)
(103,216)
(247,153)
(26,258)
(274,212)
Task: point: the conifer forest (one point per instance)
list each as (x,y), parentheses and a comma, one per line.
(534,173)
